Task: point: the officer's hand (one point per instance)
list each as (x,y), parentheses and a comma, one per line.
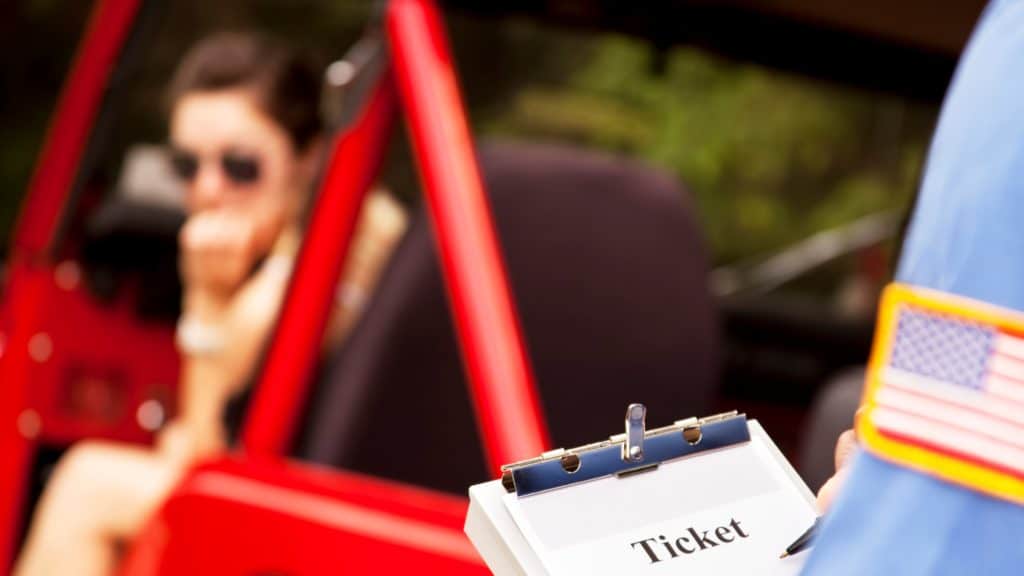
(845,447)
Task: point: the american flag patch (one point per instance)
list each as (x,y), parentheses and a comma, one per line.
(945,390)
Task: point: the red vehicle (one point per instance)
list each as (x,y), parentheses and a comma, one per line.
(73,367)
(357,523)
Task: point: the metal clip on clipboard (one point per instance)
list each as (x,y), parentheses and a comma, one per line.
(637,450)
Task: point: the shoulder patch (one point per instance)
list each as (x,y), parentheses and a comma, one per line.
(945,390)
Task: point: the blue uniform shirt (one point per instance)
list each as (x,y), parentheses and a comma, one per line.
(967,238)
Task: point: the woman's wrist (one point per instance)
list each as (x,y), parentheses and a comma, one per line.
(196,337)
(200,330)
(205,305)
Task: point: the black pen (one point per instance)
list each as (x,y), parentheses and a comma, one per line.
(803,541)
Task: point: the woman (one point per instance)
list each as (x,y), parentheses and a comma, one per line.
(245,139)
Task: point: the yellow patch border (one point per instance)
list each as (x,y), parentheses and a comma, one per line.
(969,474)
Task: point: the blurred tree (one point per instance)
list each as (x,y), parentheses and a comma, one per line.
(770,158)
(37,40)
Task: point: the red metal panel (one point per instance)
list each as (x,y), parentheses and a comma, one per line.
(262,517)
(103,365)
(69,131)
(282,389)
(501,380)
(21,307)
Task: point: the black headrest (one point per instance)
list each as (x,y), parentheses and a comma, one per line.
(135,241)
(611,281)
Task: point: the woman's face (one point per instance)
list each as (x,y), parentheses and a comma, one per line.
(233,158)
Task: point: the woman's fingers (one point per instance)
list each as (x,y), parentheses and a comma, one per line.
(218,250)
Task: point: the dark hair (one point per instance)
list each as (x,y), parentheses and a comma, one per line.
(285,84)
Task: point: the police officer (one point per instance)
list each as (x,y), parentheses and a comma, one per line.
(966,240)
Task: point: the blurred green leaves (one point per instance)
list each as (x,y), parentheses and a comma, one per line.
(771,158)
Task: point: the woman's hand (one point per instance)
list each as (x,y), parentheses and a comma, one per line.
(845,447)
(218,252)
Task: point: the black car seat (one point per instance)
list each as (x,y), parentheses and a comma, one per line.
(610,278)
(132,237)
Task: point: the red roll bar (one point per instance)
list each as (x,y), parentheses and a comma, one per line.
(500,377)
(284,383)
(501,381)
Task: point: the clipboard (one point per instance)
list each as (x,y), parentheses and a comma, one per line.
(708,495)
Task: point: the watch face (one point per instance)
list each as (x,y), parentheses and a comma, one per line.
(196,338)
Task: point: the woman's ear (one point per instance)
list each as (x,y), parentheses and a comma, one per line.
(310,161)
(307,166)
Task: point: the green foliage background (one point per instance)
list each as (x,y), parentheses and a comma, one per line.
(769,157)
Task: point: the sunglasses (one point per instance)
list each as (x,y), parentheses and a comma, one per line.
(237,167)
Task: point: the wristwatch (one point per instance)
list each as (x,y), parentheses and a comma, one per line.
(198,338)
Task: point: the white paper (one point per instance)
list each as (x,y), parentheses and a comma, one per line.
(723,512)
(495,534)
